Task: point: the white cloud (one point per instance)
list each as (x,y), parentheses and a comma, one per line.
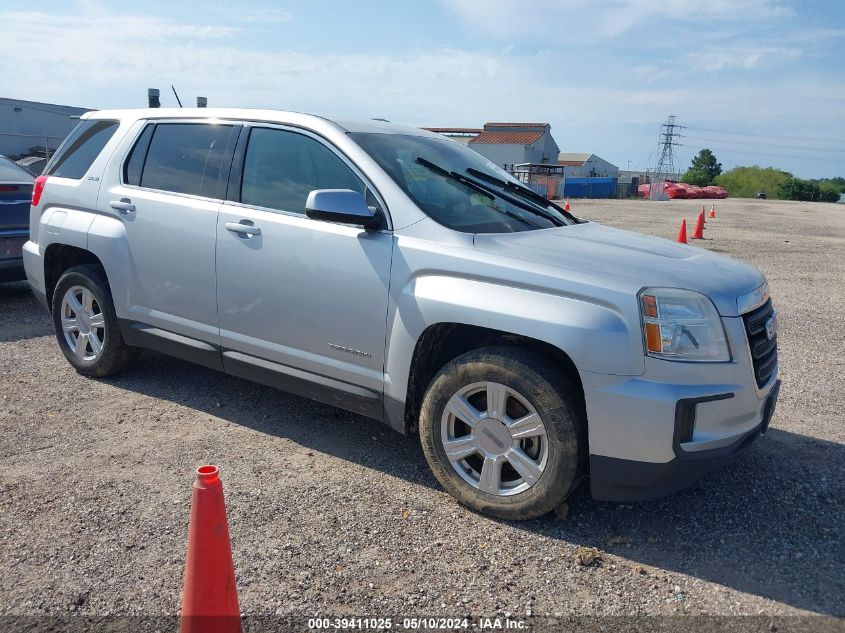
(742,57)
(49,30)
(586,20)
(108,60)
(255,15)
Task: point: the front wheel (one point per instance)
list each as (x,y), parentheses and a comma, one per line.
(86,323)
(504,432)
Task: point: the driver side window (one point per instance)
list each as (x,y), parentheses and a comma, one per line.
(281,168)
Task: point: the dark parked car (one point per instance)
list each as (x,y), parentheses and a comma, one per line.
(15,196)
(761,195)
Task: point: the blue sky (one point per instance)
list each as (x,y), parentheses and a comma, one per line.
(758,81)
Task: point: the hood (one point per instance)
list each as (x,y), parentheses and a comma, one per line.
(628,260)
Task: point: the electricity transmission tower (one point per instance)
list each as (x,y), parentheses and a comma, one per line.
(665,162)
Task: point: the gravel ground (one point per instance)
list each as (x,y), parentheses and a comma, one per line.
(332,513)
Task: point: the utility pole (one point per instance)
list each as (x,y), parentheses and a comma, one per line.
(665,162)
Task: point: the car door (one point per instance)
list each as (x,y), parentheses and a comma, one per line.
(167,196)
(302,303)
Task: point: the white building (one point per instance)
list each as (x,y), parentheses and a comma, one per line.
(507,143)
(515,143)
(584,165)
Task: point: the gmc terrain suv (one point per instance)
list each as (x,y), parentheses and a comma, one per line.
(400,275)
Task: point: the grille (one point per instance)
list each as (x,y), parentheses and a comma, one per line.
(764,352)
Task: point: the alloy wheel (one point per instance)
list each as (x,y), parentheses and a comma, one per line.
(494,438)
(83,323)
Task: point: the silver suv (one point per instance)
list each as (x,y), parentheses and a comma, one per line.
(400,275)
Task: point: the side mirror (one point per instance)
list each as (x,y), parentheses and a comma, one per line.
(341,205)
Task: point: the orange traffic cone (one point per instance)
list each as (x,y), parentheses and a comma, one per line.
(698,232)
(682,232)
(209,598)
(566,206)
(712,210)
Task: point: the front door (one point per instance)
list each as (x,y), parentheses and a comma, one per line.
(302,303)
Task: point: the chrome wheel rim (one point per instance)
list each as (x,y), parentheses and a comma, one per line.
(83,324)
(494,439)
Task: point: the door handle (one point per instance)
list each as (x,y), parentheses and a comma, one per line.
(123,206)
(243,229)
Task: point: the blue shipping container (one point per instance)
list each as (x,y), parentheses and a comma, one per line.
(588,188)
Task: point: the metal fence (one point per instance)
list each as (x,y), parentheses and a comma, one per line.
(542,179)
(30,151)
(550,181)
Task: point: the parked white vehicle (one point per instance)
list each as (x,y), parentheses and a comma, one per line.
(397,274)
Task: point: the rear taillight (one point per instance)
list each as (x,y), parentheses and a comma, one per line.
(38,189)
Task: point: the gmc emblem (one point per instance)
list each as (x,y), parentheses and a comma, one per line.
(772,326)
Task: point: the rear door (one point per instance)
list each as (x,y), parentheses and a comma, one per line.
(302,303)
(167,195)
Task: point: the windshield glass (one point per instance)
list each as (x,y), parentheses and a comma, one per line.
(434,173)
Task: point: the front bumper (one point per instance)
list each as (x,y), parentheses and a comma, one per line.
(658,433)
(614,479)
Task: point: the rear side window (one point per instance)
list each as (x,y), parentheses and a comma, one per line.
(81,148)
(281,168)
(184,158)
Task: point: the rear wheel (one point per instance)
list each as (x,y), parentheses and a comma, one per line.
(86,323)
(503,431)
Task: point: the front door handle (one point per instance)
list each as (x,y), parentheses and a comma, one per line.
(123,206)
(243,229)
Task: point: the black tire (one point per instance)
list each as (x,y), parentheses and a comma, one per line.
(116,356)
(555,398)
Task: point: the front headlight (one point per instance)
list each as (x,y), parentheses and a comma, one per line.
(682,325)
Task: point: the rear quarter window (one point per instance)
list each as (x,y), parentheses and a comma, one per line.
(81,148)
(134,165)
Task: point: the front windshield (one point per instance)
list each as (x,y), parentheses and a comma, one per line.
(433,172)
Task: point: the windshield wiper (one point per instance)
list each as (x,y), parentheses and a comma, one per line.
(489,191)
(521,190)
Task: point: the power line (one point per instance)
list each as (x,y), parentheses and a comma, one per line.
(765,135)
(735,151)
(775,145)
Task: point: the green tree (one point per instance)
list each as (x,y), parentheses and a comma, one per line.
(745,182)
(697,177)
(830,189)
(703,169)
(837,183)
(799,189)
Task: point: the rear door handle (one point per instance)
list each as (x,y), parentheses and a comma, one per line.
(243,229)
(123,206)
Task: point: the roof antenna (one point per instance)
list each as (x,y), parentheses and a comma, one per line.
(178,100)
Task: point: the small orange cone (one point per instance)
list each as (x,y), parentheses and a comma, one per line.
(698,232)
(209,598)
(712,211)
(682,233)
(566,206)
